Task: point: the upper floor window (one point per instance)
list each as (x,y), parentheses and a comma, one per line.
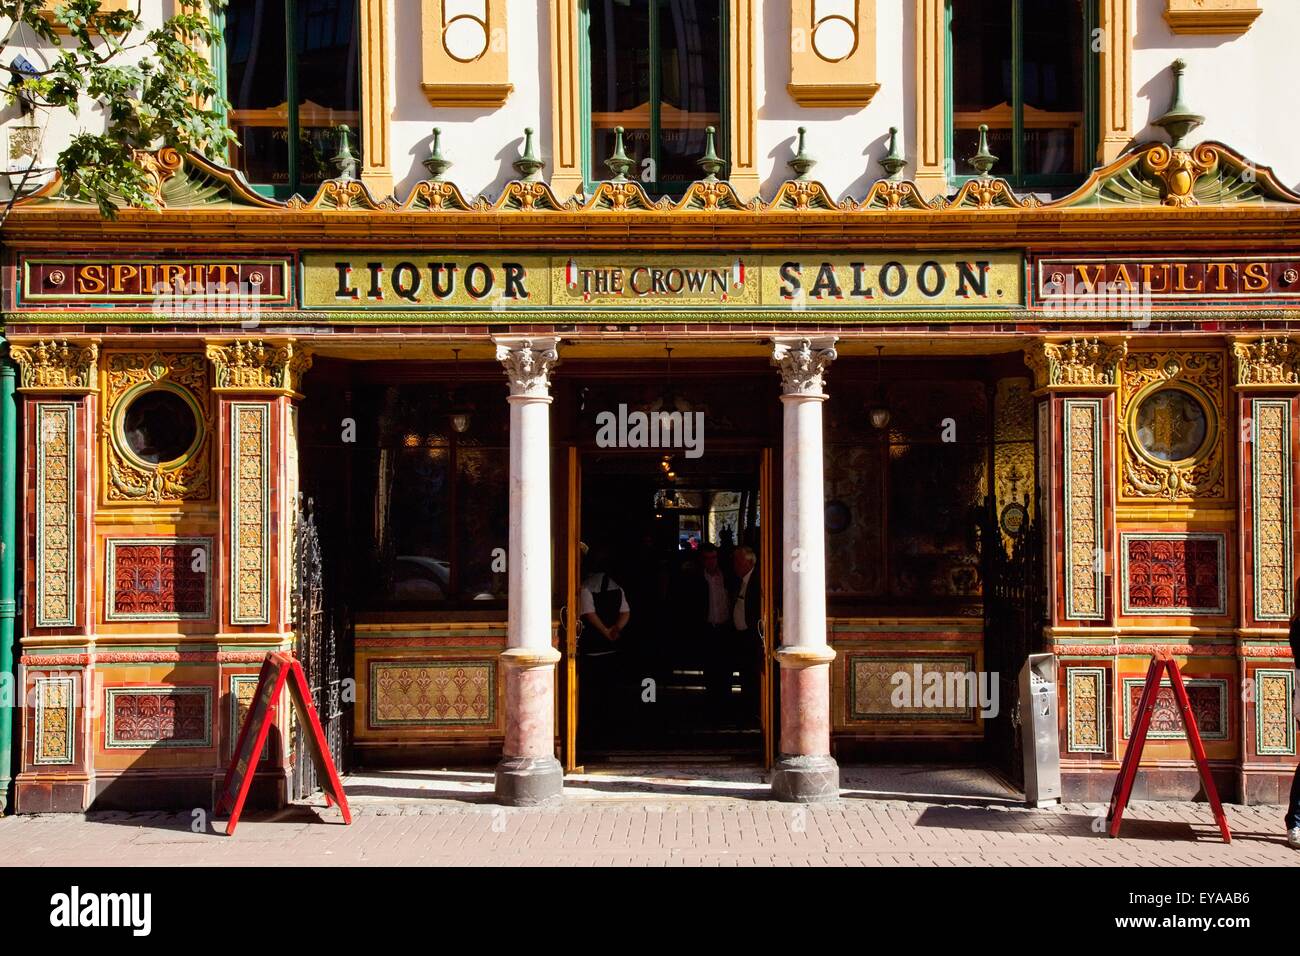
(292,77)
(656,69)
(1026,69)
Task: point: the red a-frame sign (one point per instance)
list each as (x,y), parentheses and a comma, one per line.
(1162,662)
(278,671)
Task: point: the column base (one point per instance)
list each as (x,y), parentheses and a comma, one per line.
(529,781)
(802,779)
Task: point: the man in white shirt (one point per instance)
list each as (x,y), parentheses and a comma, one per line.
(603,607)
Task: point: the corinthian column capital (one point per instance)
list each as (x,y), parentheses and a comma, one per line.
(802,361)
(528,363)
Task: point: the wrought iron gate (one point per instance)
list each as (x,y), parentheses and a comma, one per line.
(1014,612)
(317,632)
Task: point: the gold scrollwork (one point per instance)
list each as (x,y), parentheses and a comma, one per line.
(1198,376)
(1179,170)
(1075,364)
(127,479)
(257,366)
(56,366)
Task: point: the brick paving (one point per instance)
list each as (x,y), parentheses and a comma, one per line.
(699,821)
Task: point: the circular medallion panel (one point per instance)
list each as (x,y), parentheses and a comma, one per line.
(158,426)
(1171,424)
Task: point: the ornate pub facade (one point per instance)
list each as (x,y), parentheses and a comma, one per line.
(906,300)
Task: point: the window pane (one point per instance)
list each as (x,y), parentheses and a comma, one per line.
(1053,87)
(415,493)
(981,80)
(689,91)
(327,49)
(483,506)
(679,42)
(328,83)
(619,34)
(935,491)
(255,86)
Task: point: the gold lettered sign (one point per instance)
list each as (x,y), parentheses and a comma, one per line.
(357,282)
(916,280)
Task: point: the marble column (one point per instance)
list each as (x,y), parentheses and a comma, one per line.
(805,771)
(528,774)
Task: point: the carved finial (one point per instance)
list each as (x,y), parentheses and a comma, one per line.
(802,162)
(437,164)
(983,160)
(620,163)
(528,166)
(710,161)
(1179,121)
(343,161)
(895,162)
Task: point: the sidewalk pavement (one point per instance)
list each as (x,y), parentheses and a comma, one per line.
(662,817)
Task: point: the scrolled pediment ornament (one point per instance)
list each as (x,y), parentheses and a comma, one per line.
(1179,170)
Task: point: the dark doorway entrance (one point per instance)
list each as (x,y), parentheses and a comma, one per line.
(674,685)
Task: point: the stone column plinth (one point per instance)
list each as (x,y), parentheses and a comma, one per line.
(805,771)
(528,774)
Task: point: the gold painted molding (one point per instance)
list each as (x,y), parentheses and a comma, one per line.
(567,174)
(1211,16)
(57,367)
(1076,365)
(742,170)
(816,79)
(1115,97)
(931,173)
(255,366)
(1266,363)
(465,55)
(376,97)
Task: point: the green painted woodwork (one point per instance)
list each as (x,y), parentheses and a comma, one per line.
(591,163)
(8,542)
(1091,91)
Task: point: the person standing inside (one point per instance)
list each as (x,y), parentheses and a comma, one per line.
(604,612)
(713,625)
(746,644)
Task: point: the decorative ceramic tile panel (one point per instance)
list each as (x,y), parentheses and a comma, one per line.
(1084,569)
(141,718)
(56,514)
(1209,699)
(1174,573)
(1274,712)
(158,579)
(250,581)
(55,720)
(875,681)
(1271,492)
(1085,703)
(240,698)
(432,693)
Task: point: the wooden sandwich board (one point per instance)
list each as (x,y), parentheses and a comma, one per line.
(279,671)
(1162,662)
